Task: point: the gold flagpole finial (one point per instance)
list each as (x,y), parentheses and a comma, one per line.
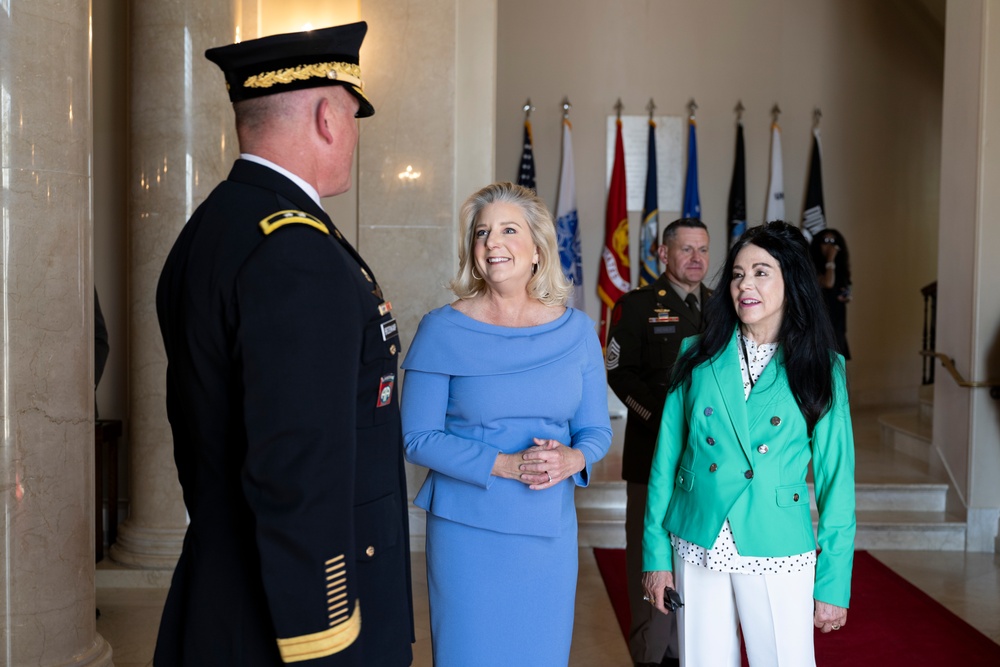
(739,109)
(651,107)
(775,112)
(692,107)
(528,109)
(618,108)
(566,107)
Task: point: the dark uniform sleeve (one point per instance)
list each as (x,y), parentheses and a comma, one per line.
(301,322)
(625,362)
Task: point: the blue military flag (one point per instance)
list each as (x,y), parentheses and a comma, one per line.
(526,172)
(692,202)
(649,267)
(737,209)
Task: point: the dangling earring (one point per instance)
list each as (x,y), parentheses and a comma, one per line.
(474,276)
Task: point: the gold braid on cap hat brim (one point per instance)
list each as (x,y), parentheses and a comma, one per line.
(346,72)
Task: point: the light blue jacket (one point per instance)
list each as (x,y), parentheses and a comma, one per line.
(719,456)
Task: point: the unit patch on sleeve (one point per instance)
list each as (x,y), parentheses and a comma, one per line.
(385,390)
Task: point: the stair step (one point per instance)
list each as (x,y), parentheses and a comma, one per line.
(907,433)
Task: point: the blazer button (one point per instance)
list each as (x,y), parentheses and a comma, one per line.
(713,468)
(795,497)
(680,480)
(708,412)
(710,441)
(748,474)
(370,551)
(762,449)
(775,421)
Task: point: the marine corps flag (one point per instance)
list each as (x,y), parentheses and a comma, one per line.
(526,173)
(649,267)
(813,215)
(615,277)
(737,208)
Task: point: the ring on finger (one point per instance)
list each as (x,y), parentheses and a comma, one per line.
(835,626)
(550,476)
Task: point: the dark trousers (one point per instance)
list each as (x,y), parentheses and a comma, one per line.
(652,635)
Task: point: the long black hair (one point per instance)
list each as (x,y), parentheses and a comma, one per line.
(842,272)
(806,335)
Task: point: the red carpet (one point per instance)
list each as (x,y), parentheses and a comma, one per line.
(892,623)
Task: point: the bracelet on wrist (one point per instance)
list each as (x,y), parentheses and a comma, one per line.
(831,265)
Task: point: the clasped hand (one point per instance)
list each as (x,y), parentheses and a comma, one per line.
(542,465)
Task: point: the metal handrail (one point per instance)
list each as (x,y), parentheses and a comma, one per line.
(949,365)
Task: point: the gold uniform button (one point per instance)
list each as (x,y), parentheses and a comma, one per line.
(370,551)
(338,234)
(775,421)
(392,349)
(662,292)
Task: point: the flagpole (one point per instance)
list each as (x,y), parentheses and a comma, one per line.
(567,217)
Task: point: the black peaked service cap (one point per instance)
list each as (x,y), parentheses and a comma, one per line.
(294,61)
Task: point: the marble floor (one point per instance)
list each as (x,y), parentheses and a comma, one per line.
(968,584)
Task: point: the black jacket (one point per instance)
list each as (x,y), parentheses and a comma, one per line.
(647,327)
(282,398)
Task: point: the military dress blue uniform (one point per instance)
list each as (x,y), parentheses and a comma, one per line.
(283,402)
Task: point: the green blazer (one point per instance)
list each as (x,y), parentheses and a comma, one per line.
(721,456)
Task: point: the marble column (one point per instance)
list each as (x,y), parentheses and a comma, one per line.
(430,70)
(182,143)
(46,339)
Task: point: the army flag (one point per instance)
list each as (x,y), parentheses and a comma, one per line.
(567,222)
(737,209)
(775,209)
(526,173)
(649,267)
(692,202)
(813,215)
(615,276)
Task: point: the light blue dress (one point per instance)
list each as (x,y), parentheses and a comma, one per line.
(501,558)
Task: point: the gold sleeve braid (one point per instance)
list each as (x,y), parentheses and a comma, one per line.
(343,629)
(322,644)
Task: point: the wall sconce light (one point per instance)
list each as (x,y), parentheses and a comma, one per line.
(409,174)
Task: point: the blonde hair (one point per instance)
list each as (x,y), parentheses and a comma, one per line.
(548,284)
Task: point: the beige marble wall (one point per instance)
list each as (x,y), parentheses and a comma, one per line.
(182,144)
(46,339)
(430,72)
(967,421)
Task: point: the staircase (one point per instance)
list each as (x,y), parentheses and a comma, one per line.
(902,495)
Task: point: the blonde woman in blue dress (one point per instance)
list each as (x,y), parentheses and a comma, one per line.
(505,401)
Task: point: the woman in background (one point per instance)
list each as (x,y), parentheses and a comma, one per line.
(833,268)
(505,400)
(753,403)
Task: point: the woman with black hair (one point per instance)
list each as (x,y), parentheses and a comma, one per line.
(751,403)
(833,269)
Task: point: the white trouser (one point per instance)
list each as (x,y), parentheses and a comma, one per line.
(775,612)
